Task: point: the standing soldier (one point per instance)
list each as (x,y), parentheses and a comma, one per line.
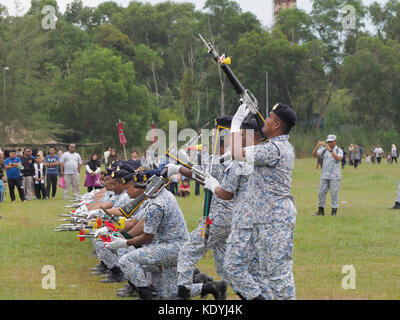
(268,212)
(195,248)
(234,187)
(330,176)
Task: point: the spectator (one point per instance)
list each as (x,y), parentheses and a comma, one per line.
(388,159)
(1,165)
(373,154)
(378,154)
(393,153)
(356,156)
(106,155)
(60,153)
(361,153)
(12,165)
(19,153)
(93,168)
(39,174)
(319,159)
(52,163)
(27,162)
(134,161)
(71,164)
(351,154)
(184,189)
(173,186)
(113,156)
(41,155)
(2,189)
(367,158)
(344,157)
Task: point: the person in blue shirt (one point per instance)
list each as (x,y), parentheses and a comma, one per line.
(51,162)
(12,165)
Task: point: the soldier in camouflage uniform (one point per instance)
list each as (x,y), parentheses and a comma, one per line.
(331,156)
(109,258)
(267,215)
(194,249)
(397,201)
(164,231)
(234,187)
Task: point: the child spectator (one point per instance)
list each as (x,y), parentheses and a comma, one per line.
(38,177)
(184,189)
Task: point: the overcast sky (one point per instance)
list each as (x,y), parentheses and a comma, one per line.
(261,8)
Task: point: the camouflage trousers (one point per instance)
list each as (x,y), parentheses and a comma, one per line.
(398,194)
(324,186)
(109,257)
(137,262)
(272,245)
(193,250)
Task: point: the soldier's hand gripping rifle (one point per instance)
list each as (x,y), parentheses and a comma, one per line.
(246,96)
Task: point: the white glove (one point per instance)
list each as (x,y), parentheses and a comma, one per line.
(94,213)
(101,232)
(239,117)
(116,243)
(211,183)
(173,169)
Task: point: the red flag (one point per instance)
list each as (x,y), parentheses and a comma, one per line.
(153,136)
(122,139)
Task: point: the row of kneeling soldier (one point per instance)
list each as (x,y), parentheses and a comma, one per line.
(140,234)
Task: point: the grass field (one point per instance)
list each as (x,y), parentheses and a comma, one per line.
(365,234)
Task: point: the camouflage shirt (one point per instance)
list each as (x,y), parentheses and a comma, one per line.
(268,198)
(330,166)
(164,219)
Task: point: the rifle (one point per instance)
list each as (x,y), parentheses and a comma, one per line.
(246,96)
(153,188)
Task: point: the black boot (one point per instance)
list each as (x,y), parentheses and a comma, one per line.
(99,269)
(217,289)
(320,212)
(183,293)
(115,275)
(128,291)
(201,278)
(396,206)
(240,296)
(145,293)
(334,211)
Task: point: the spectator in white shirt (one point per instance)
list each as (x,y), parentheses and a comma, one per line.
(393,153)
(70,165)
(378,153)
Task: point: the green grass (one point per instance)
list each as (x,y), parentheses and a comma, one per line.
(364,234)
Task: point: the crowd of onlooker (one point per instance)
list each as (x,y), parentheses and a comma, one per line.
(34,175)
(354,154)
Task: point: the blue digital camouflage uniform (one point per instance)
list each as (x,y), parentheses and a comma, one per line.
(235,181)
(330,177)
(265,223)
(193,250)
(107,196)
(110,258)
(165,220)
(398,194)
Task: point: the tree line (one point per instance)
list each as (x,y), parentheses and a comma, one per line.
(144,63)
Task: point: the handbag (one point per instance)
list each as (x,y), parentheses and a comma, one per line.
(61,183)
